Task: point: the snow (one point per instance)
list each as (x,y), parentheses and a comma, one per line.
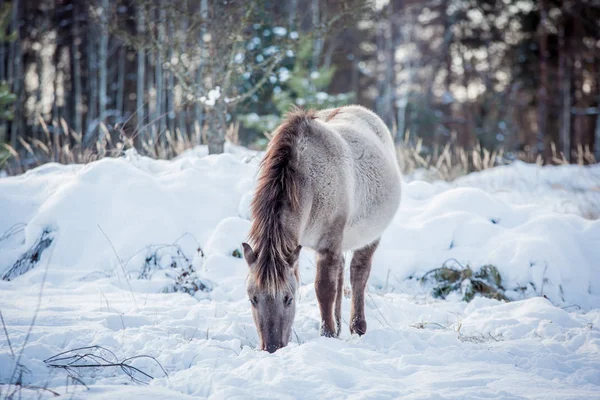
(109,217)
(212,97)
(279,31)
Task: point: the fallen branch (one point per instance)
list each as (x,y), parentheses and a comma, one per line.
(92,357)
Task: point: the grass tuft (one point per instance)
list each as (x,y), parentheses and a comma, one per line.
(485,282)
(31,257)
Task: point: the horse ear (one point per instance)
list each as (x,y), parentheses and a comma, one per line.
(249,254)
(294,256)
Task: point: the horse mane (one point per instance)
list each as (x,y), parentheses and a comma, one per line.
(277,190)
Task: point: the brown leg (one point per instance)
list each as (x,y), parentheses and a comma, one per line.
(359,274)
(338,299)
(328,265)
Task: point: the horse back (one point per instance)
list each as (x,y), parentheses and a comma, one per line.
(352,177)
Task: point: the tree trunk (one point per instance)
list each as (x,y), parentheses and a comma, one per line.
(385,82)
(597,134)
(55,113)
(293,5)
(564,77)
(3,124)
(216,129)
(102,62)
(318,44)
(76,77)
(467,136)
(39,65)
(17,78)
(578,125)
(158,71)
(597,127)
(151,88)
(121,81)
(379,67)
(542,92)
(11,45)
(182,109)
(390,81)
(406,37)
(2,53)
(170,85)
(141,66)
(197,107)
(92,79)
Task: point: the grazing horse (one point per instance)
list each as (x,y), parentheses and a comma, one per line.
(329,181)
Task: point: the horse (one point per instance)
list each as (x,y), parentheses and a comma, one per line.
(329,181)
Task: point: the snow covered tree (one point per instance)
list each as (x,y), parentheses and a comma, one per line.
(301,85)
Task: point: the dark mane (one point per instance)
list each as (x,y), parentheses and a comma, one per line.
(277,190)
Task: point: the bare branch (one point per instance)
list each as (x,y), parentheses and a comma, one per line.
(274,61)
(122,266)
(72,360)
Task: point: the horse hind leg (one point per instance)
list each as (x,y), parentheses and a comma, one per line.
(329,264)
(338,299)
(360,269)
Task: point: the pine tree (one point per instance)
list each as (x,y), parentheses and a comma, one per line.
(7,98)
(298,87)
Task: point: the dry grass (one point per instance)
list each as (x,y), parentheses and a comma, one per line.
(63,145)
(452,161)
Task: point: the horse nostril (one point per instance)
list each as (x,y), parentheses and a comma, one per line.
(272,348)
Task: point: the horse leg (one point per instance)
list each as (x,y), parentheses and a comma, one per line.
(359,274)
(329,264)
(338,299)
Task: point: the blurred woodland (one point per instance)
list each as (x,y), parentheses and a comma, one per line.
(81,79)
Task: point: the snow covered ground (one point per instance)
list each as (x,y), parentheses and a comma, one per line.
(110,237)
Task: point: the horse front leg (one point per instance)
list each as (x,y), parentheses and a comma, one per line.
(339,294)
(329,264)
(360,268)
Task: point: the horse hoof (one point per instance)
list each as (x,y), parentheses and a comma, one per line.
(327,332)
(359,327)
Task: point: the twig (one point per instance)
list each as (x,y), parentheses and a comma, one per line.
(7,337)
(160,246)
(378,310)
(35,314)
(13,230)
(571,306)
(452,259)
(296,334)
(76,379)
(150,357)
(544,278)
(71,360)
(423,325)
(19,387)
(224,348)
(122,266)
(56,356)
